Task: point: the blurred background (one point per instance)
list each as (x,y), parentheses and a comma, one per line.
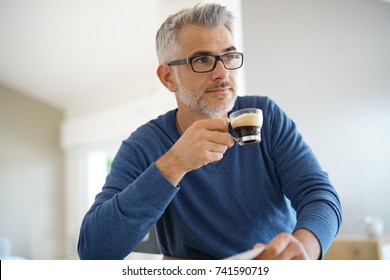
(78,76)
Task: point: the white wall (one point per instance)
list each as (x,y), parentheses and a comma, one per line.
(327,63)
(31,177)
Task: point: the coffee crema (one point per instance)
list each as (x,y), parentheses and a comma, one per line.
(247,119)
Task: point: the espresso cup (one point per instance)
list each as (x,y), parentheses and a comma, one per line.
(247,125)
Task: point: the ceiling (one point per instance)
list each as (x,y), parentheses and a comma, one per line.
(80,54)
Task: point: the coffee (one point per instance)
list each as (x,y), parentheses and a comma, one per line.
(247,125)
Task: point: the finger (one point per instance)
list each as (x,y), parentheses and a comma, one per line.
(214,157)
(294,251)
(298,251)
(201,154)
(216,147)
(284,247)
(210,152)
(275,248)
(213,124)
(258,245)
(222,138)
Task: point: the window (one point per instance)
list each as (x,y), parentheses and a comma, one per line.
(98,166)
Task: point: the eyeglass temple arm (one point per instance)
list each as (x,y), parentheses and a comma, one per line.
(180,61)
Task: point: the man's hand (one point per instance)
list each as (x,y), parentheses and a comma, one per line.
(302,245)
(203,142)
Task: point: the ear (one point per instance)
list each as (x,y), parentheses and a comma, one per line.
(165,74)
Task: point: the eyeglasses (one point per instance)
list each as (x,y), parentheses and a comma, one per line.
(207,63)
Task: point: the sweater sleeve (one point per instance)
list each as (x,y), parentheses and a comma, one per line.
(304,182)
(132,200)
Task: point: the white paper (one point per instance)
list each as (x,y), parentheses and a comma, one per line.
(247,255)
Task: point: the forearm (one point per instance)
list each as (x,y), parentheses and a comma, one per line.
(118,222)
(320,214)
(106,233)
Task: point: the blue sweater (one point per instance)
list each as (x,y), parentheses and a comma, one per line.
(254,193)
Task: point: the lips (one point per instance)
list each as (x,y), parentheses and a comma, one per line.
(221,90)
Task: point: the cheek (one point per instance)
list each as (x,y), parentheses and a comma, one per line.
(194,84)
(233,77)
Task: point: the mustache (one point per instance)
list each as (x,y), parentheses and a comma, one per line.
(220,84)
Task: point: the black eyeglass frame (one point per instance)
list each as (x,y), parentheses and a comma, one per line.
(217,58)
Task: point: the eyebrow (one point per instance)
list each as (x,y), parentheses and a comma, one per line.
(200,53)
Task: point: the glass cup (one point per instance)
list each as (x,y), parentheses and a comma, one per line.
(247,124)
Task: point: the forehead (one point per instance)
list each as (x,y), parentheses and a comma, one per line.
(194,39)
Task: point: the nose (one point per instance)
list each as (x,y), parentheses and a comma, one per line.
(220,72)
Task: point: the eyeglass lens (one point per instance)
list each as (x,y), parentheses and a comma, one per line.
(207,63)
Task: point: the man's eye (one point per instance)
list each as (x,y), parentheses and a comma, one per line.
(230,57)
(202,60)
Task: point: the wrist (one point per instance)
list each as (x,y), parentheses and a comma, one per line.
(170,168)
(310,243)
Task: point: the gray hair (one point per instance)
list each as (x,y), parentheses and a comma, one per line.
(207,15)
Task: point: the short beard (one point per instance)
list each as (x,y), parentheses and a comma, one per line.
(197,103)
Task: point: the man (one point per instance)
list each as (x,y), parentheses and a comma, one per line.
(209,197)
